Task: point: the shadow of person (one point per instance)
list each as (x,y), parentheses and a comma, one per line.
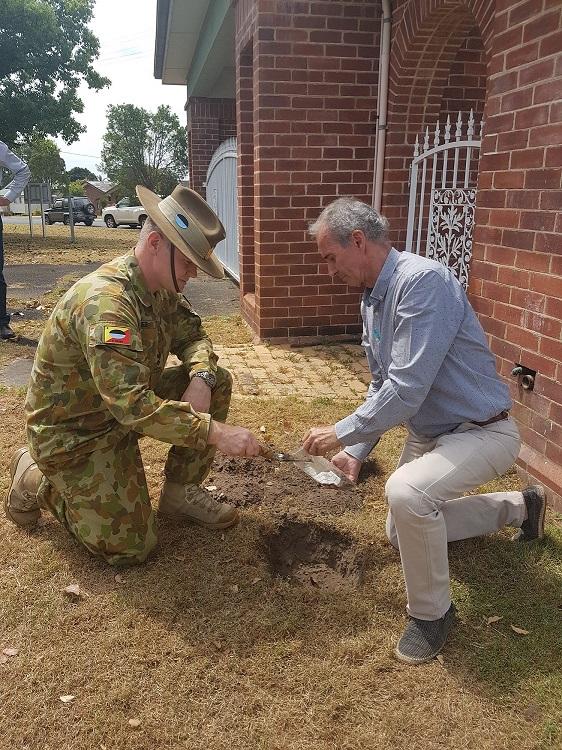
(218,593)
(521,584)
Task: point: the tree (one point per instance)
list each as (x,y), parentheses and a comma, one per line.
(44,160)
(46,51)
(76,187)
(140,147)
(80,173)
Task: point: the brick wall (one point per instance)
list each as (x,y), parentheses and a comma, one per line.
(313,69)
(516,283)
(209,123)
(466,84)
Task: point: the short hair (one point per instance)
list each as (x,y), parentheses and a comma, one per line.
(148,227)
(345,215)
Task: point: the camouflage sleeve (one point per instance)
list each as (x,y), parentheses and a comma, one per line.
(190,342)
(110,330)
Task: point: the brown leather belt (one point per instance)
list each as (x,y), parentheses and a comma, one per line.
(502,415)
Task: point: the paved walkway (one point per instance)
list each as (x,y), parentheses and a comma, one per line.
(266,370)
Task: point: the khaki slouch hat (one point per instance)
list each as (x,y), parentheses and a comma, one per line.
(189,223)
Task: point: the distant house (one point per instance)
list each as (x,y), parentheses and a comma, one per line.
(100,193)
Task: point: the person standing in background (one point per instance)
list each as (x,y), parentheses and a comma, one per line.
(21,175)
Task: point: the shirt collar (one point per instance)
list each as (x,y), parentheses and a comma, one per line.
(377,293)
(138,283)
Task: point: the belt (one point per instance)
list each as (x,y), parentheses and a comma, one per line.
(502,415)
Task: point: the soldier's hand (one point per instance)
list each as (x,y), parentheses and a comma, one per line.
(198,394)
(234,441)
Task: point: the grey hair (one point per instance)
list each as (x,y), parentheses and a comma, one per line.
(345,215)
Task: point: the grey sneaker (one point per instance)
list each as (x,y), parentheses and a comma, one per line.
(20,502)
(189,502)
(422,640)
(535,502)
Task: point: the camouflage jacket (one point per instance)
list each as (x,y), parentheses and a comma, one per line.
(100,358)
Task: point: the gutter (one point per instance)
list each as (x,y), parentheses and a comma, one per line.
(162,23)
(382,103)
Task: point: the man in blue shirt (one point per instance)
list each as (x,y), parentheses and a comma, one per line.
(21,175)
(432,371)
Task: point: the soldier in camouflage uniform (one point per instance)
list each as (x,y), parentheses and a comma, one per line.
(98,384)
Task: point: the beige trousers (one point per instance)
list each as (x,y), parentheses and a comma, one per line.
(427,508)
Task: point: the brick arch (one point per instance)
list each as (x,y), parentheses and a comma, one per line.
(427,37)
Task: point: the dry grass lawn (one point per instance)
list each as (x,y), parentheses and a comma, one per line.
(208,650)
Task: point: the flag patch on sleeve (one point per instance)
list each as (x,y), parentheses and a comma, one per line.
(116,335)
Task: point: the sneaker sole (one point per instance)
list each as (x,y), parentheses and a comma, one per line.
(13,469)
(212,526)
(410,660)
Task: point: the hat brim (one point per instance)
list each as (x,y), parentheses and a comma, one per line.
(150,201)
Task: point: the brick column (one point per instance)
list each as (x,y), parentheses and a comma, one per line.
(516,272)
(209,123)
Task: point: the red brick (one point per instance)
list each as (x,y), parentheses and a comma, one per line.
(542,178)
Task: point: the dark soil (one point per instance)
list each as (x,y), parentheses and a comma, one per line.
(315,556)
(283,488)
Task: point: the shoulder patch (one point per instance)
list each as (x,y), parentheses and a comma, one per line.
(116,335)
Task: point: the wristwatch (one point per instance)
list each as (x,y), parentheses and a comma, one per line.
(206,376)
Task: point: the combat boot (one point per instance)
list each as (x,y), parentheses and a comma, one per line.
(189,502)
(20,503)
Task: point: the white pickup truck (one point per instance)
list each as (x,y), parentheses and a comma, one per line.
(126,211)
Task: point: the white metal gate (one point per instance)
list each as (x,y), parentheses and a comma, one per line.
(443,196)
(222,197)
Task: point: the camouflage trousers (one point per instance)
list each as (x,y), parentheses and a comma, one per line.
(102,497)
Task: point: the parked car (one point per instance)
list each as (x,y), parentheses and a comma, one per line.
(83,211)
(126,211)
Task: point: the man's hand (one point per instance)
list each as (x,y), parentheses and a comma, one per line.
(348,464)
(234,441)
(198,394)
(4,201)
(320,440)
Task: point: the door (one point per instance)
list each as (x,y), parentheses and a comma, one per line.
(222,197)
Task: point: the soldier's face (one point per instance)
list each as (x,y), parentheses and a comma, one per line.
(183,267)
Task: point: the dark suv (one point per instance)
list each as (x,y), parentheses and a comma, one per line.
(83,210)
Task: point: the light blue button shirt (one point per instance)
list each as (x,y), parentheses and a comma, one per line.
(431,366)
(18,168)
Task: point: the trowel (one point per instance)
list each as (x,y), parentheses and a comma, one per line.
(317,467)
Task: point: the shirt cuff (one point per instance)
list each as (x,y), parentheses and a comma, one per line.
(360,451)
(345,431)
(203,430)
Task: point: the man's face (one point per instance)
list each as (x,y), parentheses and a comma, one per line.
(344,262)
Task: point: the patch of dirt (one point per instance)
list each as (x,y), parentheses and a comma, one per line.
(314,556)
(283,488)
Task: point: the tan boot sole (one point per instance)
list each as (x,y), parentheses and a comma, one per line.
(213,526)
(30,517)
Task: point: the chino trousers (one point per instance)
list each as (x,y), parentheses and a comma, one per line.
(427,508)
(102,497)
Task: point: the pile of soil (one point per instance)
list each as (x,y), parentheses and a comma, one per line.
(283,488)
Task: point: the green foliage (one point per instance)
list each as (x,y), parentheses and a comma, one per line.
(44,160)
(46,52)
(76,187)
(80,173)
(140,147)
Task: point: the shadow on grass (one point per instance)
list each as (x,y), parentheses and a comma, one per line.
(522,584)
(216,591)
